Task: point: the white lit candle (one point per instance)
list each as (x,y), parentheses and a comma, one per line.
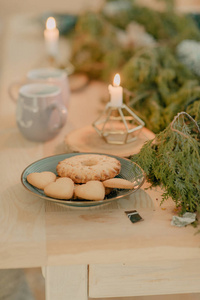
(116,92)
(51,36)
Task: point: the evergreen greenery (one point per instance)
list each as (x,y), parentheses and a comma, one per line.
(172,160)
(161,85)
(166,26)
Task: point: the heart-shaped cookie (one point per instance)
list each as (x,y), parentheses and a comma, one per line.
(62,188)
(40,180)
(119,183)
(92,190)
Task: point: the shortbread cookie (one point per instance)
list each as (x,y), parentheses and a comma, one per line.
(83,168)
(118,183)
(40,180)
(62,188)
(92,190)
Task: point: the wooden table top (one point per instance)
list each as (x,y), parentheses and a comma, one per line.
(36,233)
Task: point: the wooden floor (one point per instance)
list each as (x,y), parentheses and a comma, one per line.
(37,286)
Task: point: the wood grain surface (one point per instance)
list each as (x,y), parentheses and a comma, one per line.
(36,233)
(144,278)
(66,282)
(86,139)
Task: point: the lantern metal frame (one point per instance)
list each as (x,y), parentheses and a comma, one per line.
(127,120)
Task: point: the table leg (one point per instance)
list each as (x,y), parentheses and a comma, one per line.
(66,282)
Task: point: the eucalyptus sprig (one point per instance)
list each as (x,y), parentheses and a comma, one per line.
(172,160)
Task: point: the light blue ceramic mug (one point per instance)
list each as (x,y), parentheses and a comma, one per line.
(52,76)
(43,75)
(40,112)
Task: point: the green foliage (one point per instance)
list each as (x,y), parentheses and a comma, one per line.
(170,85)
(114,61)
(155,75)
(92,41)
(172,160)
(166,26)
(193,108)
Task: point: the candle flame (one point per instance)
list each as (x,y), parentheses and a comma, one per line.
(116,81)
(50,23)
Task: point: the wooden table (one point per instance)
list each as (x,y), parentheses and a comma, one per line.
(94,252)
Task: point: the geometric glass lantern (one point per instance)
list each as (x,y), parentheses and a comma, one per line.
(118,124)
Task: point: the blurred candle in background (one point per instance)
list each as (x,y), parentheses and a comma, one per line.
(51,36)
(116,91)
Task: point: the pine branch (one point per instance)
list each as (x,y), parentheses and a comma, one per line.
(172,159)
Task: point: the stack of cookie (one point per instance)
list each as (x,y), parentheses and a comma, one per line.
(88,177)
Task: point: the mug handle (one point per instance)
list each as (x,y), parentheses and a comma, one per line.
(15,84)
(62,115)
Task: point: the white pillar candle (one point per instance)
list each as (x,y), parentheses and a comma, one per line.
(116,92)
(51,36)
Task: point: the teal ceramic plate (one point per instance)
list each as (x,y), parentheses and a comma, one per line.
(129,170)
